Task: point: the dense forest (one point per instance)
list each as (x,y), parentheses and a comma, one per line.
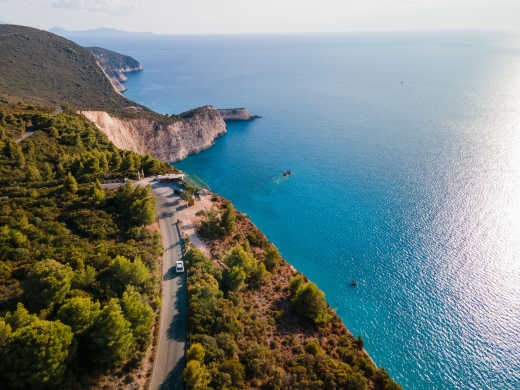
(78,289)
(255,322)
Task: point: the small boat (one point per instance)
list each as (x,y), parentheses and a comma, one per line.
(287,173)
(353,283)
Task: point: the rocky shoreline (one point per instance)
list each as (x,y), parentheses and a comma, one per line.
(116,66)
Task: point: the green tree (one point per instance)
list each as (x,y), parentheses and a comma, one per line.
(47,171)
(92,166)
(79,313)
(196,352)
(115,161)
(210,228)
(239,257)
(70,184)
(96,193)
(139,313)
(309,301)
(383,381)
(359,342)
(37,355)
(84,278)
(296,284)
(111,339)
(233,279)
(255,359)
(272,258)
(259,275)
(103,163)
(227,219)
(77,141)
(196,375)
(143,208)
(128,163)
(126,272)
(20,317)
(16,154)
(48,282)
(33,173)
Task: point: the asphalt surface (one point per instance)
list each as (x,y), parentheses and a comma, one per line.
(169,356)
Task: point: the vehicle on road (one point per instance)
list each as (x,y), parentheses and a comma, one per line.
(179,266)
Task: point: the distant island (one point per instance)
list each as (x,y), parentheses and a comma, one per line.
(99,32)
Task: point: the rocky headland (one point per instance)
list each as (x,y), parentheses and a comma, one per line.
(115,66)
(170,141)
(236,114)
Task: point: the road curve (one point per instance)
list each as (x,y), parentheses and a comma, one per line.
(169,355)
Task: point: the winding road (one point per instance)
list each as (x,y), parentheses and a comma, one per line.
(169,354)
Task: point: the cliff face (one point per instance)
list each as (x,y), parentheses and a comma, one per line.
(236,114)
(188,133)
(115,66)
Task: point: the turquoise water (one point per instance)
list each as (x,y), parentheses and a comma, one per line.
(405,153)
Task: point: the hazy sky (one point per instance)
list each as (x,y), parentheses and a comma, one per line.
(249,16)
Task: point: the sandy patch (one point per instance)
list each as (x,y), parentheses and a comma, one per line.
(189,220)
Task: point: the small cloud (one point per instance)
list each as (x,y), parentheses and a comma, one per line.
(108,6)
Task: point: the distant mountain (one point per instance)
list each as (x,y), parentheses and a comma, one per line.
(43,68)
(97,33)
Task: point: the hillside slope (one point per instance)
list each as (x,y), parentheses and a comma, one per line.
(79,279)
(43,68)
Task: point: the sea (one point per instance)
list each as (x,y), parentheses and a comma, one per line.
(404,150)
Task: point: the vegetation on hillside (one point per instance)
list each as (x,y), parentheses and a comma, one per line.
(113,62)
(254,322)
(77,284)
(42,68)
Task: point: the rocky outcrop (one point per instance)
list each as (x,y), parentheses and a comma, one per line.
(236,114)
(171,140)
(115,66)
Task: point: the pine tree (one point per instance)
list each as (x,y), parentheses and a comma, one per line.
(70,184)
(111,339)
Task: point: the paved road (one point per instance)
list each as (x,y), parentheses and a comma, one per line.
(25,136)
(169,355)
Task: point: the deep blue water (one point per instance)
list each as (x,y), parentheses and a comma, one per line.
(405,153)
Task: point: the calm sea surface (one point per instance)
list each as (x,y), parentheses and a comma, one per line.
(405,153)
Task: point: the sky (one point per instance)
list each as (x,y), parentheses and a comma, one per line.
(264,16)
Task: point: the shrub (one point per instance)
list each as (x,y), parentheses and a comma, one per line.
(309,301)
(196,375)
(272,258)
(233,279)
(196,352)
(228,219)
